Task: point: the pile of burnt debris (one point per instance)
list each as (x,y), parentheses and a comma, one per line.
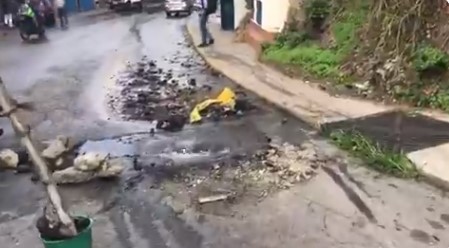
(151,93)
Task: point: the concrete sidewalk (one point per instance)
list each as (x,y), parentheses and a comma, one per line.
(238,61)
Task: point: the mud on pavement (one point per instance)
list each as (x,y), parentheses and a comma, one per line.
(233,154)
(150,93)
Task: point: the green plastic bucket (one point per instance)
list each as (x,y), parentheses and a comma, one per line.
(82,240)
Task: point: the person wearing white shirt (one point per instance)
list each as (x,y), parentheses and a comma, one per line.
(62,13)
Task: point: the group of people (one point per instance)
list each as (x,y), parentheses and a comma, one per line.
(39,9)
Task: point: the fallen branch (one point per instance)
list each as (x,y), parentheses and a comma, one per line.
(8,109)
(213,198)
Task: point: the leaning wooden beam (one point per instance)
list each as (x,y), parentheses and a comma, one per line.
(8,109)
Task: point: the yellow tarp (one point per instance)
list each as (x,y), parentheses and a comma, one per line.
(226,99)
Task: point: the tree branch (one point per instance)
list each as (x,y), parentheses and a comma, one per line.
(8,109)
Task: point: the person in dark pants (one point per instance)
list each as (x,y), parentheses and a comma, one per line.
(9,9)
(62,13)
(38,8)
(206,7)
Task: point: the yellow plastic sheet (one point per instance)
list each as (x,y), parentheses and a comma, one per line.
(226,98)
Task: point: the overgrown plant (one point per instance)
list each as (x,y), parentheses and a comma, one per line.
(429,59)
(317,9)
(398,27)
(304,49)
(374,155)
(292,39)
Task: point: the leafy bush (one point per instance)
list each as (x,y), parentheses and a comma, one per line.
(299,48)
(419,96)
(427,58)
(317,9)
(292,39)
(345,29)
(311,58)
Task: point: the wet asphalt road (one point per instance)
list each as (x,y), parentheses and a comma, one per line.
(72,79)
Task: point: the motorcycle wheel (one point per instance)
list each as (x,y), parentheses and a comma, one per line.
(24,36)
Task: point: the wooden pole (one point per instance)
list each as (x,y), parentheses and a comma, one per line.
(9,107)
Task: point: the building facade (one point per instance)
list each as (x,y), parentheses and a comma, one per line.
(269,17)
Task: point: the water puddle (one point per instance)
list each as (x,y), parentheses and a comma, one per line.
(117,147)
(159,150)
(194,158)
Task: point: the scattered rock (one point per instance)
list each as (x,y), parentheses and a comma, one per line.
(173,123)
(90,161)
(293,161)
(192,82)
(284,164)
(9,159)
(176,206)
(89,166)
(56,152)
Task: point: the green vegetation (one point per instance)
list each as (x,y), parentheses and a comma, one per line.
(430,65)
(425,94)
(317,9)
(430,59)
(396,39)
(309,57)
(296,48)
(375,156)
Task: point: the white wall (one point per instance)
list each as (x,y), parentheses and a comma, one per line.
(274,14)
(239,11)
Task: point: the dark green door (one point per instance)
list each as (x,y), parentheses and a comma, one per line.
(227,14)
(259,12)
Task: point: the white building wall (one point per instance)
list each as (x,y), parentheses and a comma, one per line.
(274,14)
(239,11)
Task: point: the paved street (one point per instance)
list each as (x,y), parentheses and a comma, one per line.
(72,79)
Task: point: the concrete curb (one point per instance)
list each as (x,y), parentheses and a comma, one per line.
(316,124)
(431,174)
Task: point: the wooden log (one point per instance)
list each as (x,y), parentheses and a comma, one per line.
(9,107)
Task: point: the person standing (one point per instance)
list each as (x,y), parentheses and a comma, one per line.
(206,7)
(9,8)
(62,13)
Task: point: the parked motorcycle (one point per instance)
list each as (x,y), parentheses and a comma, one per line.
(27,23)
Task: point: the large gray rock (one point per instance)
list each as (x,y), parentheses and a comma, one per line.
(89,167)
(90,161)
(57,148)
